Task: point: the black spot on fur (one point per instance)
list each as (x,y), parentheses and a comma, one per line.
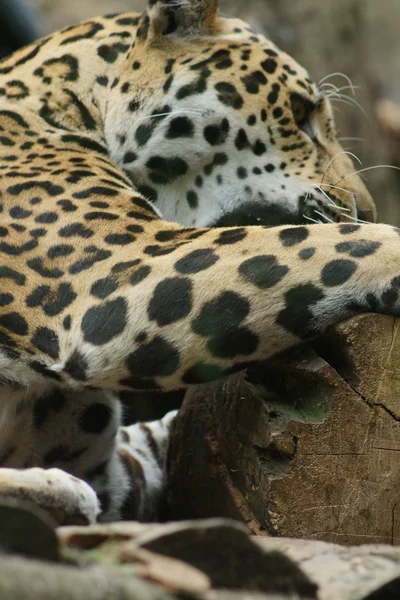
(225,312)
(96,191)
(93,29)
(67,206)
(110,53)
(273,95)
(165,170)
(217,134)
(167,235)
(36,264)
(60,250)
(50,188)
(56,455)
(6,299)
(219,159)
(104,287)
(198,86)
(129,157)
(157,358)
(192,198)
(389,297)
(14,250)
(220,320)
(144,132)
(297,316)
(228,95)
(263,271)
(293,235)
(231,236)
(62,297)
(46,340)
(15,276)
(45,405)
(196,261)
(180,127)
(346,229)
(269,65)
(259,148)
(233,343)
(358,248)
(338,272)
(171,301)
(307,253)
(14,322)
(119,239)
(253,81)
(75,230)
(99,215)
(95,418)
(102,323)
(85,143)
(140,274)
(94,255)
(16,212)
(241,140)
(44,370)
(202,373)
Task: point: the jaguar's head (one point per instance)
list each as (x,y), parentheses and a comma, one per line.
(215,125)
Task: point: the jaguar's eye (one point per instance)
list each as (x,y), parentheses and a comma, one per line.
(302,110)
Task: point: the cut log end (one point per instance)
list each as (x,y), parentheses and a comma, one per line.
(306,447)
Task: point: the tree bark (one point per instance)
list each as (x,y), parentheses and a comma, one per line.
(306,447)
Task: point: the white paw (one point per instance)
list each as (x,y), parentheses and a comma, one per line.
(67,498)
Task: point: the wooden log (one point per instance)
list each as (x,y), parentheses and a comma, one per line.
(306,447)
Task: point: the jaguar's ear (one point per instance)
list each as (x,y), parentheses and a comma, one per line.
(183,18)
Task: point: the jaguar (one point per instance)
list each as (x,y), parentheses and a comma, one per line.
(175,207)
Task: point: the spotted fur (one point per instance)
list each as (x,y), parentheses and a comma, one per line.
(143,161)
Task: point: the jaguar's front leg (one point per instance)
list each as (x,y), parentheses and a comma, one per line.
(212,301)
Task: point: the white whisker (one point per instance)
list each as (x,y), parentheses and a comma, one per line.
(351,102)
(331,202)
(358,220)
(323,216)
(331,88)
(352,139)
(349,87)
(173,113)
(338,74)
(369,169)
(334,158)
(335,187)
(313,220)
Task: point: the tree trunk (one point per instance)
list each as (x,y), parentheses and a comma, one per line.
(306,447)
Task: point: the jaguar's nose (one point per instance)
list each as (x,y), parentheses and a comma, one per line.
(365,209)
(366,215)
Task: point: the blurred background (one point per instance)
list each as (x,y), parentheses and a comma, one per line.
(358,38)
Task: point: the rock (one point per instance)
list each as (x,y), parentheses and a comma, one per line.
(26,529)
